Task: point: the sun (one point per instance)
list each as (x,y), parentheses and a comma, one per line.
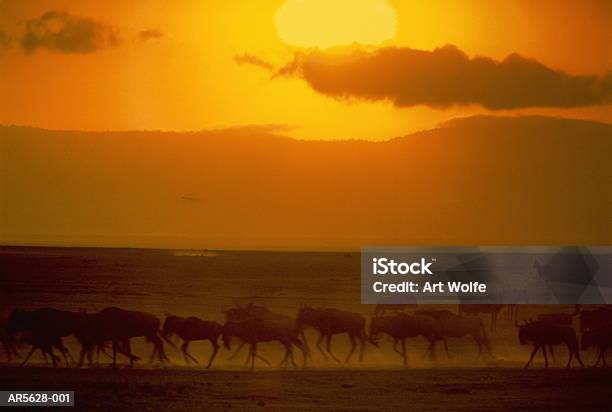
(327,23)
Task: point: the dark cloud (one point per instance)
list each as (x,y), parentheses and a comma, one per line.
(66,33)
(150,34)
(248,58)
(444,77)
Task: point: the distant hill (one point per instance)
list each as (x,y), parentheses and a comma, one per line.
(479,180)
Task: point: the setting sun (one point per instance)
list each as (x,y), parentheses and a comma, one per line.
(321,23)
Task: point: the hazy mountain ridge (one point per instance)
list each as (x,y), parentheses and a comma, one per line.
(476,180)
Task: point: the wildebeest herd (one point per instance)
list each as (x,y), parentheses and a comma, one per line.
(113,328)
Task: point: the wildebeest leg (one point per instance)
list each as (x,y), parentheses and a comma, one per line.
(28,357)
(305,341)
(237,351)
(328,347)
(353,346)
(299,344)
(186,355)
(603,356)
(571,354)
(479,343)
(285,360)
(363,340)
(404,352)
(253,354)
(261,358)
(158,350)
(264,360)
(545,357)
(396,342)
(446,348)
(214,353)
(321,336)
(535,349)
(82,356)
(552,353)
(114,364)
(65,352)
(577,354)
(154,352)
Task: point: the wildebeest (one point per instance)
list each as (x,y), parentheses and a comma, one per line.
(473,309)
(251,311)
(193,329)
(559,319)
(601,338)
(118,326)
(44,329)
(541,334)
(450,325)
(254,331)
(381,309)
(403,326)
(329,322)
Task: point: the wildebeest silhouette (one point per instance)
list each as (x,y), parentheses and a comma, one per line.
(450,325)
(254,331)
(403,326)
(44,329)
(601,338)
(559,319)
(118,326)
(252,311)
(541,334)
(193,329)
(329,322)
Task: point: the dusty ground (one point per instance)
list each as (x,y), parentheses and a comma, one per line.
(179,389)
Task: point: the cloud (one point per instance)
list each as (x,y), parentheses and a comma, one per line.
(65,33)
(248,58)
(444,77)
(150,34)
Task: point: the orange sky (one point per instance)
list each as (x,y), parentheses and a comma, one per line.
(182,75)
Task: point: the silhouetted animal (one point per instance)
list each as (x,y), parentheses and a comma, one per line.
(559,319)
(450,325)
(402,326)
(92,337)
(473,309)
(381,309)
(330,322)
(193,329)
(253,331)
(43,329)
(251,311)
(119,326)
(541,334)
(595,319)
(600,338)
